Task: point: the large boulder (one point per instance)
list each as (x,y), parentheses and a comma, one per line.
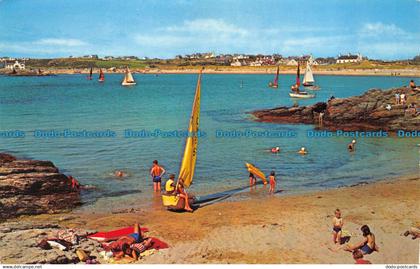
(366,112)
(29,187)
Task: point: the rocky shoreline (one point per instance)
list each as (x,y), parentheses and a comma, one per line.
(31,187)
(374,110)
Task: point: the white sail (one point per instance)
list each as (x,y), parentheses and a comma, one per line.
(309,77)
(128,78)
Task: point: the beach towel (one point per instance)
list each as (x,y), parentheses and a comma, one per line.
(158,244)
(101,236)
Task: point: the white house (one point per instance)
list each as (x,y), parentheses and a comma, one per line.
(236,63)
(349,58)
(292,62)
(16,66)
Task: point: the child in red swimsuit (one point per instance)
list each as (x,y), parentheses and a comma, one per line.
(272,179)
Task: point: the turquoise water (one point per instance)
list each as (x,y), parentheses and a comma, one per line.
(164,102)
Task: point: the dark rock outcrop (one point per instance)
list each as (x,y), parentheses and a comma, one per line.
(29,187)
(366,112)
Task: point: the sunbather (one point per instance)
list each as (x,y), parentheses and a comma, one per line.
(367,245)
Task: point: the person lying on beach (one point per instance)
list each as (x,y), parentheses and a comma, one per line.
(302,151)
(337,226)
(358,257)
(252,179)
(415,233)
(157,172)
(367,245)
(272,179)
(131,245)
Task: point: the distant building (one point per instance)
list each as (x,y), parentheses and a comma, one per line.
(292,62)
(236,63)
(349,58)
(16,66)
(109,58)
(93,56)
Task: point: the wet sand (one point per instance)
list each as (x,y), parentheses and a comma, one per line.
(277,229)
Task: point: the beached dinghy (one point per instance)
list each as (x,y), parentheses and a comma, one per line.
(128,78)
(275,83)
(186,172)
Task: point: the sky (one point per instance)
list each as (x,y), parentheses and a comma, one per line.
(379,29)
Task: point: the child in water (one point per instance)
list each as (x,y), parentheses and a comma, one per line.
(337,226)
(272,179)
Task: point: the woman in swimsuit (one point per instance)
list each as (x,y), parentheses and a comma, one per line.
(337,226)
(368,245)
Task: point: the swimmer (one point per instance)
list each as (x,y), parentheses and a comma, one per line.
(275,150)
(120,173)
(352,146)
(302,151)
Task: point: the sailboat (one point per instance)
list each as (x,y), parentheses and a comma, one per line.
(90,74)
(296,93)
(101,76)
(275,83)
(186,172)
(308,78)
(128,78)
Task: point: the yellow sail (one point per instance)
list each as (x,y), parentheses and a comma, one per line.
(186,171)
(128,78)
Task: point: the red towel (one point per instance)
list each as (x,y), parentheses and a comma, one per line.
(158,244)
(115,233)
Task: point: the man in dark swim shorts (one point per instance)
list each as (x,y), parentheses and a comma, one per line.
(157,172)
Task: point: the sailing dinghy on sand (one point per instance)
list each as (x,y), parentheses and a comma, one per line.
(275,83)
(128,78)
(186,172)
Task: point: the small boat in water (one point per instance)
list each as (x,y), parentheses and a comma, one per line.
(296,93)
(101,76)
(90,74)
(275,83)
(128,78)
(308,79)
(304,95)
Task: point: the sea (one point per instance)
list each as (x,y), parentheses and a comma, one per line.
(91,129)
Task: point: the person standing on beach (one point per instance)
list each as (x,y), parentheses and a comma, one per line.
(337,226)
(403,99)
(272,179)
(157,172)
(252,179)
(397,98)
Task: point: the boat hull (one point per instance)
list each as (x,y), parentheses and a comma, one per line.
(300,95)
(128,83)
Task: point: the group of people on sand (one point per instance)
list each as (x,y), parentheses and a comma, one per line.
(176,190)
(364,247)
(271,180)
(131,245)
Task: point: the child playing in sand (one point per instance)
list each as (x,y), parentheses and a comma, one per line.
(272,179)
(337,226)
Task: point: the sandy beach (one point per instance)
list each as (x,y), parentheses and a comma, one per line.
(276,229)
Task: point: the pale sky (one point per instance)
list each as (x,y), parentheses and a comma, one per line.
(385,29)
